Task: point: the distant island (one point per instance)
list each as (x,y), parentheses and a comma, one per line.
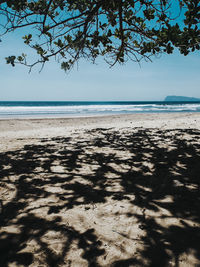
(175,98)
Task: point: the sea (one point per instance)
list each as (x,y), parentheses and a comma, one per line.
(54,109)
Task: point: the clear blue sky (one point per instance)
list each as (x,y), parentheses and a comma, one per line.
(168,75)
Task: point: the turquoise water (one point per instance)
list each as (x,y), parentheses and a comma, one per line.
(78,109)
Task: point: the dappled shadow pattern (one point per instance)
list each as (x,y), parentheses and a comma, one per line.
(155,173)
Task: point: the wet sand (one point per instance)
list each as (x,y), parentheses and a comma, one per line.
(100,191)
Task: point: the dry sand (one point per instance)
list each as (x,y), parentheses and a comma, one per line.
(100,191)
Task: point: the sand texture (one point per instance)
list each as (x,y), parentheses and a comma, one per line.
(114,191)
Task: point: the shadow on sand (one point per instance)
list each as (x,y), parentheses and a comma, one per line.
(151,170)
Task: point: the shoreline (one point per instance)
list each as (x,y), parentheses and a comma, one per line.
(106,116)
(77,116)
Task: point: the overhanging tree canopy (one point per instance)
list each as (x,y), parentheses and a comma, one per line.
(118,30)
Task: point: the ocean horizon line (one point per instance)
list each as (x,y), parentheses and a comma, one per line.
(97,102)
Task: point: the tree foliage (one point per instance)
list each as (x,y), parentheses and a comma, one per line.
(118,30)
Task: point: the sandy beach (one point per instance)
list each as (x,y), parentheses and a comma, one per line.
(117,190)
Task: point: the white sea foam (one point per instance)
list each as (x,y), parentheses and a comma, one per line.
(101,109)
